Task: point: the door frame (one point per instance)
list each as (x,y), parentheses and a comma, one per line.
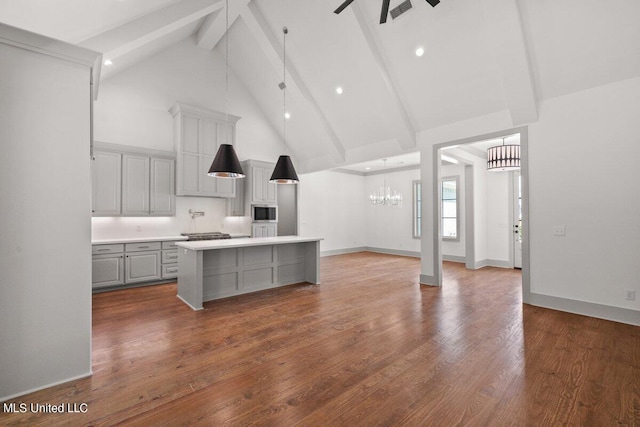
(524,173)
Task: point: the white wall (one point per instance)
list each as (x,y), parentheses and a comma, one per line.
(133,109)
(332,206)
(45,188)
(583,174)
(584,160)
(391,227)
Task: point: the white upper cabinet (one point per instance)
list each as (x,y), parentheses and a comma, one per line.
(258,175)
(197,134)
(106,186)
(135,184)
(129,181)
(162,200)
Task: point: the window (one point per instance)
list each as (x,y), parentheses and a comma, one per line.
(417,209)
(450,224)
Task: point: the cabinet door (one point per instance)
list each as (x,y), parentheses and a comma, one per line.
(235,205)
(142,266)
(162,200)
(135,185)
(106,183)
(107,270)
(271,193)
(271,230)
(257,231)
(257,185)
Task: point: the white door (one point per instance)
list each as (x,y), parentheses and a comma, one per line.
(517,220)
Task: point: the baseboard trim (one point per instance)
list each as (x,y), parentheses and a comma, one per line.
(491,263)
(343,251)
(186,302)
(454,258)
(428,280)
(32,390)
(399,252)
(413,254)
(599,311)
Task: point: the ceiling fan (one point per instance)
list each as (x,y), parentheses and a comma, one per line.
(385,8)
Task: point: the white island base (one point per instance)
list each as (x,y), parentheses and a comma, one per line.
(214,269)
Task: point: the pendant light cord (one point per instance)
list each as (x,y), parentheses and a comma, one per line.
(284,90)
(226,75)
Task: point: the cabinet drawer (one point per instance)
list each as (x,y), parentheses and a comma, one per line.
(169,257)
(107,249)
(146,246)
(170,245)
(169,271)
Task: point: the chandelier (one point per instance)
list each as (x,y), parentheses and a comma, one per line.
(385,196)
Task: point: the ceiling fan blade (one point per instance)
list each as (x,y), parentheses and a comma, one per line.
(433,3)
(385,11)
(342,6)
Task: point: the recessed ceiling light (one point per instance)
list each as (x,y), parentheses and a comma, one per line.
(287,115)
(367,168)
(339,90)
(420,51)
(107,62)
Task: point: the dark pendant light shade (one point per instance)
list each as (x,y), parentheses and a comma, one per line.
(284,172)
(226,164)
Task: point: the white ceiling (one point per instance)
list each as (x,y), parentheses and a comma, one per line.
(481,57)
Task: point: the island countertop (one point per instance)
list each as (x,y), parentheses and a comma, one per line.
(203,245)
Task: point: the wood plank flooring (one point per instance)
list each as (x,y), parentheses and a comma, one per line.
(369,346)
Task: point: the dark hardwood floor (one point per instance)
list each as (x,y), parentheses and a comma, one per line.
(369,346)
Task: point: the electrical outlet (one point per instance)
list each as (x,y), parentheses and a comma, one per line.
(630,294)
(559,230)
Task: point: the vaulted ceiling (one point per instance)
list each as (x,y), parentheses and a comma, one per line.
(481,57)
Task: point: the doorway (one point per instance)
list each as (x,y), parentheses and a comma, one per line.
(519,216)
(517,219)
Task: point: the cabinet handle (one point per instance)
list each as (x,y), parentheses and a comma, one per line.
(104,250)
(143,247)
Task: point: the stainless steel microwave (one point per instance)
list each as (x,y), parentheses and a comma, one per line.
(264,213)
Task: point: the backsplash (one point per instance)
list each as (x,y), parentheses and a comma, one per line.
(213,220)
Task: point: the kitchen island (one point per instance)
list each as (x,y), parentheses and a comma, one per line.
(214,269)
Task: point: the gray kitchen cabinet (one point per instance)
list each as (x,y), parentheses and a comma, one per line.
(264,230)
(258,187)
(142,266)
(162,195)
(130,181)
(106,186)
(235,205)
(197,134)
(135,184)
(133,263)
(107,265)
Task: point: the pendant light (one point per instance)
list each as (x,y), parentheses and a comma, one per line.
(226,164)
(503,158)
(284,172)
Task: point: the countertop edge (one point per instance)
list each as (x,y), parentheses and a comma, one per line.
(138,239)
(245,242)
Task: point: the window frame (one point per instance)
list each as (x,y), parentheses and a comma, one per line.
(417,209)
(455,178)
